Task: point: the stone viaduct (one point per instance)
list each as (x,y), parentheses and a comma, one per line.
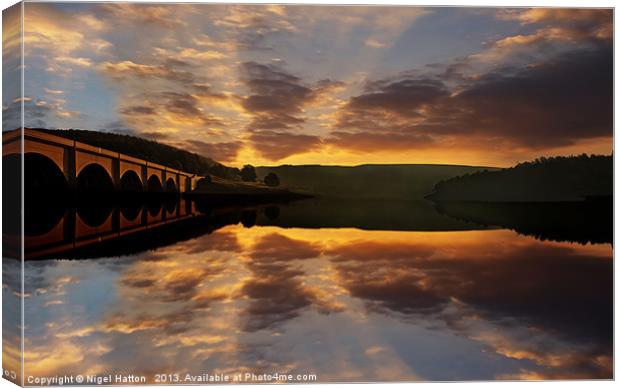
(78,161)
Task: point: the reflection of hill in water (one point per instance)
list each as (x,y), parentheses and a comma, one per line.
(366,214)
(584,222)
(106,231)
(110,231)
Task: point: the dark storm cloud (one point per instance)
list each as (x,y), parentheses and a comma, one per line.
(389,114)
(566,98)
(555,102)
(175,62)
(277,97)
(37,113)
(33,115)
(278,145)
(138,110)
(205,90)
(451,72)
(180,104)
(188,103)
(403,97)
(256,28)
(186,98)
(281,121)
(327,85)
(139,283)
(222,152)
(169,69)
(395,105)
(277,101)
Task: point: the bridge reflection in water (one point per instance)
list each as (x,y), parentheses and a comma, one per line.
(67,229)
(112,229)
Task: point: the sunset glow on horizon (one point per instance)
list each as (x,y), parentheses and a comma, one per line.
(331,85)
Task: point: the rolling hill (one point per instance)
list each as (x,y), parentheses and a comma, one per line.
(370,181)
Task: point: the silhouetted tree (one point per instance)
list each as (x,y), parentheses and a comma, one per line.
(272,180)
(248,173)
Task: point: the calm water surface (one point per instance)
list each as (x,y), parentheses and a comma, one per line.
(430,300)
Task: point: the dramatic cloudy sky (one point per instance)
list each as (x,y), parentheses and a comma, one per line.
(331,85)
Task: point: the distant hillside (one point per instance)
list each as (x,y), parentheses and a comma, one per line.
(372,181)
(570,178)
(149,150)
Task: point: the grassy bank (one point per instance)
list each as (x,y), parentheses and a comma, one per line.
(224,190)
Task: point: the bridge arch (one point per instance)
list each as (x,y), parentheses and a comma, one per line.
(154,209)
(45,187)
(153,184)
(131,182)
(11,176)
(131,213)
(170,206)
(94,178)
(94,216)
(124,166)
(171,186)
(41,174)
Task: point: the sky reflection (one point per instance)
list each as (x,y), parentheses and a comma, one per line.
(347,304)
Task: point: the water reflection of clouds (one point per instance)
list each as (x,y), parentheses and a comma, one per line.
(521,298)
(343,303)
(11,311)
(276,290)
